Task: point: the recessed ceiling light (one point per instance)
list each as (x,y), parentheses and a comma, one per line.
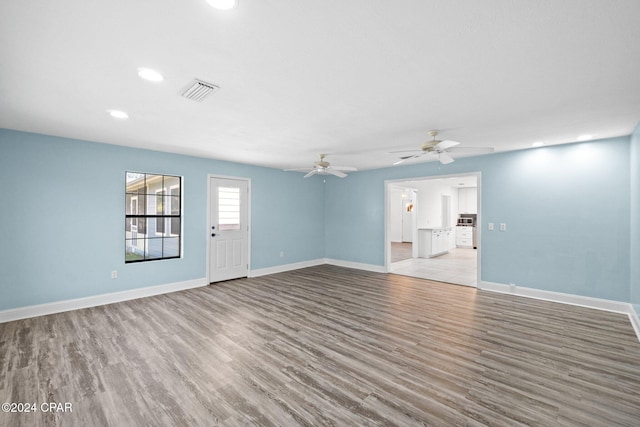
(223,4)
(150,75)
(117,114)
(537,144)
(585,137)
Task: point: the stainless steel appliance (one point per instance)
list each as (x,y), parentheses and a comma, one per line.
(467,219)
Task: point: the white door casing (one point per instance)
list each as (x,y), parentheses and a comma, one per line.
(228,228)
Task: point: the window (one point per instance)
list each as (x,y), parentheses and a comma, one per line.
(159,210)
(229,208)
(153,217)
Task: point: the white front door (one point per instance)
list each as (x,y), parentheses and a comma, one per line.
(229,229)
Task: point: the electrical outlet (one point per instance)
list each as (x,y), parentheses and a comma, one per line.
(281,254)
(490,226)
(503,226)
(512,287)
(114,274)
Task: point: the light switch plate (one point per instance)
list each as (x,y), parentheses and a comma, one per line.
(490,226)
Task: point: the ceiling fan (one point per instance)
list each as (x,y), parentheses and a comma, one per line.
(322,167)
(441,149)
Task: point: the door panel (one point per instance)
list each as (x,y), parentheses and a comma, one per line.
(237,257)
(229,236)
(221,255)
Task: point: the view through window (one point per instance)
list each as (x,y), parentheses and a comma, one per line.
(153,217)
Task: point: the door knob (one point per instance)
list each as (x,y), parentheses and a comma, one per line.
(213,234)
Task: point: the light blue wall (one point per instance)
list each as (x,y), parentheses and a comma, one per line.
(62,218)
(635,219)
(566,208)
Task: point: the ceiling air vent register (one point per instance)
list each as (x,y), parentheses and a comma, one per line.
(199,90)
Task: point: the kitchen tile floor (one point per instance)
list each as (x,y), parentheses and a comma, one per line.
(458,266)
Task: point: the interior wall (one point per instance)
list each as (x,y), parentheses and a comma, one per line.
(430,194)
(566,208)
(63,222)
(635,219)
(395,212)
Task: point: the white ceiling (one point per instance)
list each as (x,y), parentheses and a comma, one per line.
(354,79)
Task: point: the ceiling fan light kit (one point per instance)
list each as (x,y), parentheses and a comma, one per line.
(323,167)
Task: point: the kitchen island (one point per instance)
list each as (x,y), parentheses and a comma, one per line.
(433,242)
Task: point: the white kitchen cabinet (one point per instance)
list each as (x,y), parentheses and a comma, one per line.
(433,241)
(464,237)
(468,200)
(449,238)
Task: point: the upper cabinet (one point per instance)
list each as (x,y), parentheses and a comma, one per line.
(468,200)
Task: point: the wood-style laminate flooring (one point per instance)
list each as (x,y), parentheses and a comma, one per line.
(325,346)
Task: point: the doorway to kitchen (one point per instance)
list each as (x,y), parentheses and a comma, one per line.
(432,228)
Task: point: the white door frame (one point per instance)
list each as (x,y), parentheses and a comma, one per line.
(209,240)
(387,217)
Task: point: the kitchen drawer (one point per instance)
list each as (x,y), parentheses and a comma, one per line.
(465,233)
(464,241)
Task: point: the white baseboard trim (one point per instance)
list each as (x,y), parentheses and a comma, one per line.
(635,321)
(582,301)
(103,299)
(286,267)
(356,265)
(93,301)
(110,298)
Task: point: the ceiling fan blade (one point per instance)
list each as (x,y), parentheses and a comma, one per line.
(403,151)
(313,172)
(445,158)
(443,145)
(298,170)
(403,158)
(332,171)
(344,168)
(472,150)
